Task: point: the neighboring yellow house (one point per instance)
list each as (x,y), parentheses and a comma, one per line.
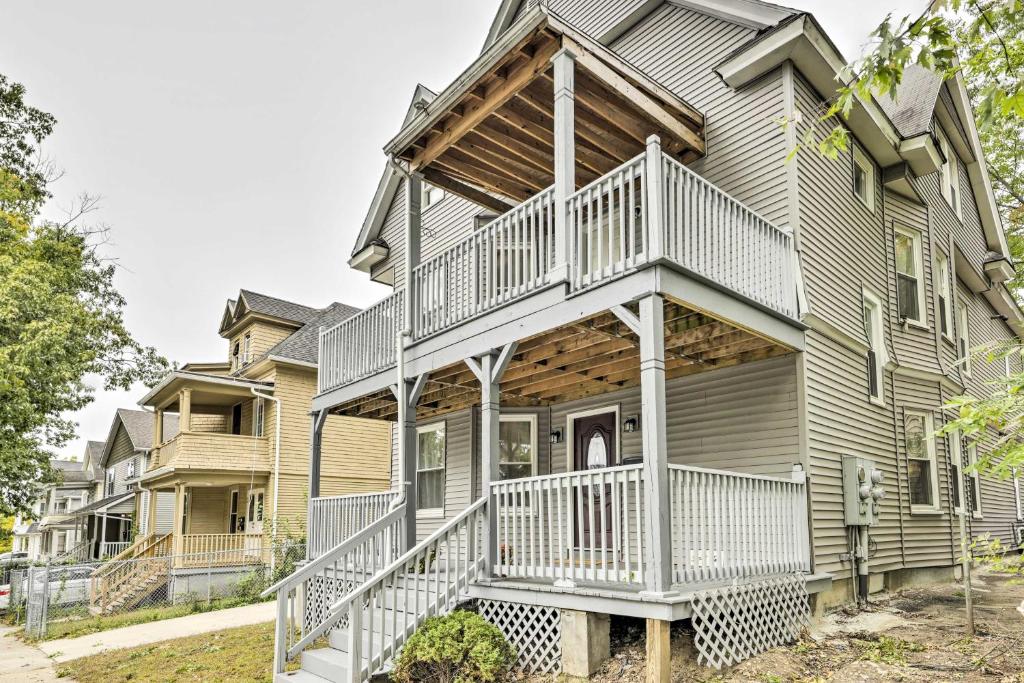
(237,474)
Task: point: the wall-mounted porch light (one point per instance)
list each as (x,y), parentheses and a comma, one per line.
(556,436)
(631,424)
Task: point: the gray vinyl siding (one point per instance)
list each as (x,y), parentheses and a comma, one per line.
(842,421)
(746,148)
(594,17)
(392,231)
(164,512)
(121,453)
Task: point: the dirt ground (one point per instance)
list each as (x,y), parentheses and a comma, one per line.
(915,635)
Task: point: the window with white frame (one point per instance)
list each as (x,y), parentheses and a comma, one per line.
(235,352)
(876,348)
(942,288)
(863,178)
(949,174)
(246,347)
(110,482)
(921,470)
(517,446)
(431,195)
(130,470)
(258,417)
(1016,494)
(909,283)
(974,495)
(430,475)
(956,469)
(963,339)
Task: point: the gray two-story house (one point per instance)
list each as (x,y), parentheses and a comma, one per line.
(638,363)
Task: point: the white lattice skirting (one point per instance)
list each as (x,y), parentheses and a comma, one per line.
(733,623)
(534,631)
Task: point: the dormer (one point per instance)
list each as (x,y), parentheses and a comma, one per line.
(253,323)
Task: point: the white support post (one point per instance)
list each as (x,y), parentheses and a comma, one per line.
(488,370)
(564,62)
(413,229)
(657,522)
(655,204)
(407,393)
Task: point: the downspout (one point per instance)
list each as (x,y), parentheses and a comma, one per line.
(277,461)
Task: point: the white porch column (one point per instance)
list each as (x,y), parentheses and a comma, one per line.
(657,523)
(488,370)
(564,62)
(413,229)
(103,534)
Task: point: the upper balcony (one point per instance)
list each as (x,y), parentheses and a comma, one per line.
(584,158)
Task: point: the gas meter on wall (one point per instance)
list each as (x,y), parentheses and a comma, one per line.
(862,490)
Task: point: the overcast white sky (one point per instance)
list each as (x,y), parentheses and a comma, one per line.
(237,144)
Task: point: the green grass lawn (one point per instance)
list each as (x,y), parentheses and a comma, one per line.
(238,654)
(72,628)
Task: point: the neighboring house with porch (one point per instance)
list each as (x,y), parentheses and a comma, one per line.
(50,532)
(120,510)
(231,480)
(629,346)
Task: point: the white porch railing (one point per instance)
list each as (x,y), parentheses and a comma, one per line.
(361,345)
(729,525)
(110,549)
(304,599)
(577,526)
(502,261)
(334,519)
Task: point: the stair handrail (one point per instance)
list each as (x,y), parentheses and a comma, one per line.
(350,605)
(389,528)
(114,573)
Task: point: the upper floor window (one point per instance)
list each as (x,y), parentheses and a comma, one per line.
(876,349)
(431,195)
(974,494)
(517,446)
(956,470)
(1016,494)
(863,178)
(909,284)
(246,344)
(949,174)
(430,460)
(922,472)
(130,472)
(258,415)
(963,341)
(110,483)
(60,506)
(235,351)
(942,286)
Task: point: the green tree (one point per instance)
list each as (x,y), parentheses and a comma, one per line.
(61,318)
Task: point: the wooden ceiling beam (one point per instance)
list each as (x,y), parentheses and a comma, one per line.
(492,182)
(525,117)
(439,179)
(478,110)
(508,148)
(504,163)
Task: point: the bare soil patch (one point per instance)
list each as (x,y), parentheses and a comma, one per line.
(914,635)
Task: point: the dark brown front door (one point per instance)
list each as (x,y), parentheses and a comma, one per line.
(594,448)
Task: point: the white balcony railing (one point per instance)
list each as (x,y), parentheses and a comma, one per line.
(702,229)
(361,345)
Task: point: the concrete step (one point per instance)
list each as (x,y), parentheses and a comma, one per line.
(326,662)
(300,677)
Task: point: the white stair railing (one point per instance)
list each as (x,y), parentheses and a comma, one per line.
(334,519)
(305,597)
(426,581)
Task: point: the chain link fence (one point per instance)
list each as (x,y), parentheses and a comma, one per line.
(57,597)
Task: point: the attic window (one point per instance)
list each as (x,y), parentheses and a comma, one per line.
(949,174)
(246,343)
(234,354)
(431,195)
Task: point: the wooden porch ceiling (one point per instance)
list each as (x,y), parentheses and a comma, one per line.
(592,356)
(495,144)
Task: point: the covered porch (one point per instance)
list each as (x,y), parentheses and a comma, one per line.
(106,526)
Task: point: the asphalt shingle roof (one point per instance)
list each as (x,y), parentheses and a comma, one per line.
(302,345)
(139,425)
(912,107)
(279,308)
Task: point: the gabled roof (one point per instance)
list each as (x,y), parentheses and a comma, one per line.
(94,449)
(261,304)
(390,180)
(65,465)
(138,425)
(104,503)
(302,345)
(913,106)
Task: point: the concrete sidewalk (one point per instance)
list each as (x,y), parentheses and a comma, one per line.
(156,631)
(23,663)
